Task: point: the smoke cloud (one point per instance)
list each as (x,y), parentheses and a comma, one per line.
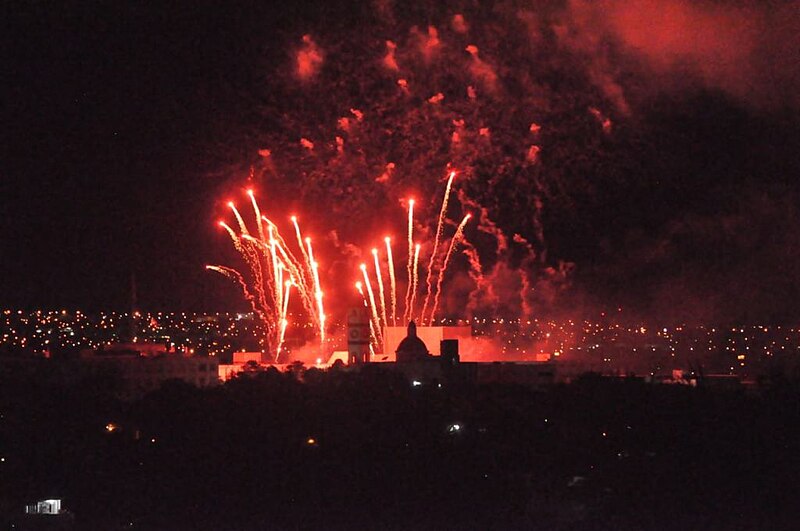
(748,49)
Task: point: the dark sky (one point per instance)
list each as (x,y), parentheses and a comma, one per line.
(111,113)
(108,109)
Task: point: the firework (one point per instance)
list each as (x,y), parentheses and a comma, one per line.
(284,321)
(239,220)
(372,337)
(406,315)
(236,276)
(317,290)
(379,276)
(360,289)
(442,214)
(392,280)
(414,282)
(299,237)
(257,211)
(232,234)
(273,271)
(372,306)
(453,242)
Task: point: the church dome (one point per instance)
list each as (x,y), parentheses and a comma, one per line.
(412,348)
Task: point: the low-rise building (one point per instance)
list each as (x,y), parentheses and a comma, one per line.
(145,367)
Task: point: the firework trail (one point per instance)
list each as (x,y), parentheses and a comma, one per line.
(284,321)
(258,214)
(415,282)
(306,260)
(276,285)
(289,262)
(251,250)
(234,238)
(298,269)
(407,310)
(392,281)
(317,290)
(442,213)
(237,277)
(242,226)
(284,324)
(274,271)
(372,306)
(360,289)
(372,338)
(456,237)
(287,292)
(379,276)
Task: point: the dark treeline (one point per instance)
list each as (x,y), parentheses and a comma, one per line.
(367,450)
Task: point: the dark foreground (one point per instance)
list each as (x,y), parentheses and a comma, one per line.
(369,451)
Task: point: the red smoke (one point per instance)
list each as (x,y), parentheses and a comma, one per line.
(748,48)
(309,59)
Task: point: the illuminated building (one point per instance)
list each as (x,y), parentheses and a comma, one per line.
(430,335)
(242,361)
(52,507)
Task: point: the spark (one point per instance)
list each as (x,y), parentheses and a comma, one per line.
(392,281)
(442,213)
(453,242)
(379,276)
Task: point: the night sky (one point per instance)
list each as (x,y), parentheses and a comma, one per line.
(125,127)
